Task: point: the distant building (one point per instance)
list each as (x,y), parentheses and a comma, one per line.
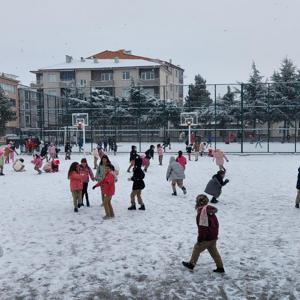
(9,84)
(112,71)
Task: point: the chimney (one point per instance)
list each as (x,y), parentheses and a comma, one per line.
(128,52)
(116,59)
(170,61)
(69,59)
(82,59)
(95,60)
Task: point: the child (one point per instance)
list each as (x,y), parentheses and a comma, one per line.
(12,151)
(87,173)
(68,151)
(189,150)
(219,156)
(96,157)
(202,148)
(52,151)
(175,173)
(18,165)
(298,190)
(108,189)
(181,159)
(44,152)
(75,185)
(214,186)
(100,173)
(197,150)
(1,162)
(47,168)
(7,152)
(55,165)
(160,152)
(37,163)
(148,155)
(208,230)
(132,157)
(138,185)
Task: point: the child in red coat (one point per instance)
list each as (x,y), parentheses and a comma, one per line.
(208,229)
(108,189)
(76,184)
(37,163)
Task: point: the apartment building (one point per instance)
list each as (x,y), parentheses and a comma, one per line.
(112,71)
(9,84)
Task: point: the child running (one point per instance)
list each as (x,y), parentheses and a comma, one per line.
(160,153)
(87,173)
(175,174)
(214,186)
(208,230)
(138,185)
(149,154)
(107,185)
(76,184)
(132,157)
(37,163)
(219,156)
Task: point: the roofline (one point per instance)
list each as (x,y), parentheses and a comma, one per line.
(9,79)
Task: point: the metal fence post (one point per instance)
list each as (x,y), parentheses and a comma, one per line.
(139,120)
(215,115)
(242,118)
(268,110)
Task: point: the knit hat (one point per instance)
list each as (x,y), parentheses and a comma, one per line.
(201,200)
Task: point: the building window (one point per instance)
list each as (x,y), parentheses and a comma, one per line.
(67,75)
(82,82)
(51,92)
(27,121)
(12,102)
(147,75)
(176,73)
(126,75)
(52,78)
(106,76)
(9,88)
(26,105)
(125,93)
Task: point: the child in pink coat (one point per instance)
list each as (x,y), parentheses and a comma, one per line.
(219,156)
(37,163)
(160,152)
(52,151)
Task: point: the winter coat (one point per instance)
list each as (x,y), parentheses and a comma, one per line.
(68,148)
(149,153)
(298,181)
(211,232)
(137,178)
(214,186)
(76,183)
(181,160)
(86,172)
(52,150)
(160,151)
(37,162)
(189,149)
(44,151)
(175,170)
(18,165)
(100,172)
(133,155)
(107,184)
(219,157)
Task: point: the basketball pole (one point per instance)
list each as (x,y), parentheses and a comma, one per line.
(83,137)
(190,125)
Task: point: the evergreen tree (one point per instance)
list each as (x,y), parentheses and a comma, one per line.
(6,113)
(285,93)
(198,97)
(254,96)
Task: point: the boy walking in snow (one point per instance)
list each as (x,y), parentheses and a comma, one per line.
(138,185)
(208,229)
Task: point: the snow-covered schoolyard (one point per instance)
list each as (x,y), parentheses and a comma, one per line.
(49,252)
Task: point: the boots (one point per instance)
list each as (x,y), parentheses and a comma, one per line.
(132,207)
(297,204)
(188,265)
(142,207)
(214,200)
(76,209)
(219,270)
(184,190)
(174,193)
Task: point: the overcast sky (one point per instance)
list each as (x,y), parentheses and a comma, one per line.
(217,38)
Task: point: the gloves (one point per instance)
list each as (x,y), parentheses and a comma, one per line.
(93,187)
(226,180)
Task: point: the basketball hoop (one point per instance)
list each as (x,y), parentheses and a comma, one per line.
(189,119)
(80,121)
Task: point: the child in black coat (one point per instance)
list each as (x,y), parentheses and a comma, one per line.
(132,156)
(298,190)
(138,185)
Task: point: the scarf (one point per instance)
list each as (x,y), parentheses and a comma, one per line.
(203,220)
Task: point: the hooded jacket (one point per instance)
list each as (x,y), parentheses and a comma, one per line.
(175,170)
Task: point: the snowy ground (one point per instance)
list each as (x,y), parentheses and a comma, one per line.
(49,252)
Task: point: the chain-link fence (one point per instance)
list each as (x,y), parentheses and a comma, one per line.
(235,117)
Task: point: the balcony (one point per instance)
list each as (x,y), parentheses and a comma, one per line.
(149,82)
(36,85)
(102,83)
